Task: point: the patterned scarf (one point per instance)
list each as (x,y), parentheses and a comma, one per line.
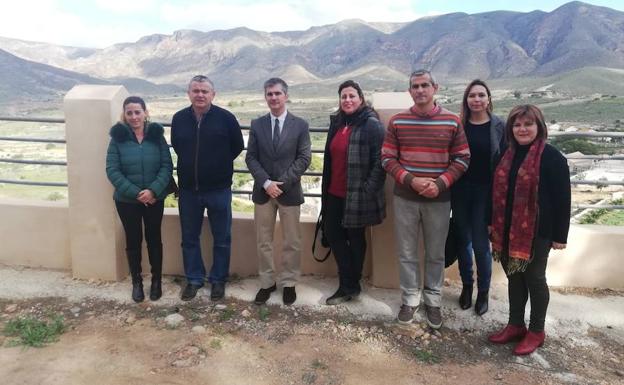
(525,208)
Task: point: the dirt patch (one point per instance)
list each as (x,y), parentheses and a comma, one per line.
(238,343)
(588,291)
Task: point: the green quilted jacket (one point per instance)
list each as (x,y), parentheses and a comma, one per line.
(132,166)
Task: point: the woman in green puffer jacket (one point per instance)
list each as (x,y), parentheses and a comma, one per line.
(138,164)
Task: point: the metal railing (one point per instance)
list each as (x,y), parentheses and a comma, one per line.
(314,150)
(33,140)
(64,163)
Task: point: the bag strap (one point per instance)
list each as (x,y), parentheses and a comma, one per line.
(319,226)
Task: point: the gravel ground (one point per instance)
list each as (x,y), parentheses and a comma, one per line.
(585,329)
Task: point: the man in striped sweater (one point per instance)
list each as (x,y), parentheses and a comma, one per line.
(425,151)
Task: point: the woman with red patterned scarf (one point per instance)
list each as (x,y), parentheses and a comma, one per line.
(530,215)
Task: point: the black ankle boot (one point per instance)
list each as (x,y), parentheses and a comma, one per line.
(156,289)
(137,291)
(465,298)
(481,305)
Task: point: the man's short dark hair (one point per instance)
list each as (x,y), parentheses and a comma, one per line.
(201,79)
(422,72)
(275,81)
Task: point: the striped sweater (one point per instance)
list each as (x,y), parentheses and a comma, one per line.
(433,146)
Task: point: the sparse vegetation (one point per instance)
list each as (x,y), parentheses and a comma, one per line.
(604,216)
(242,206)
(318,364)
(227,314)
(55,196)
(30,331)
(194,316)
(263,313)
(171,201)
(425,356)
(567,146)
(216,344)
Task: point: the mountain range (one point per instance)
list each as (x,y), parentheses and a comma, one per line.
(457,47)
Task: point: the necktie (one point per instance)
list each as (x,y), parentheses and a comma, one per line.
(276,134)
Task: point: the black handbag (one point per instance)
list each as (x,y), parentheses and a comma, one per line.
(324,242)
(172,187)
(451,248)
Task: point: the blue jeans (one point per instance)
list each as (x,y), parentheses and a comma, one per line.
(218,204)
(469,203)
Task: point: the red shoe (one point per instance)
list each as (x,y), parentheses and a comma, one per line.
(529,343)
(508,334)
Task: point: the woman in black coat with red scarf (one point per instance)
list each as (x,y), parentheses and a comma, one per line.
(530,215)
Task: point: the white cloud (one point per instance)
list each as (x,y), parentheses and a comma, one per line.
(100,23)
(281,16)
(34,20)
(125,6)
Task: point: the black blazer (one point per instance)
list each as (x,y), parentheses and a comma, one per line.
(554,196)
(285,164)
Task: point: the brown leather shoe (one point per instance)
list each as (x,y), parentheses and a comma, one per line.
(530,342)
(509,334)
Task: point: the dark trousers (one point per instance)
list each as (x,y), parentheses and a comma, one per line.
(531,284)
(347,244)
(135,216)
(469,204)
(218,205)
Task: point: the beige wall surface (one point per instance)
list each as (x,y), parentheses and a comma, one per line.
(244,260)
(95,243)
(37,234)
(34,234)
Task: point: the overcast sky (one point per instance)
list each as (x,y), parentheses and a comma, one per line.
(101,23)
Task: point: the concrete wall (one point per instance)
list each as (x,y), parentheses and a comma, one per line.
(95,242)
(86,236)
(34,234)
(244,261)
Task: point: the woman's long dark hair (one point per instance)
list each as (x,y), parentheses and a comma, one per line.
(341,117)
(133,100)
(465,110)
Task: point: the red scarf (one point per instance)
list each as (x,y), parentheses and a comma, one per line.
(525,207)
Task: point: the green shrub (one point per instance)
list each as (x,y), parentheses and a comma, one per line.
(572,145)
(30,331)
(55,196)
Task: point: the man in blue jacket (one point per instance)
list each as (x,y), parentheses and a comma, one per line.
(207,139)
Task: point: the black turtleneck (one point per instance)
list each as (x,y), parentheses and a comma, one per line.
(480,169)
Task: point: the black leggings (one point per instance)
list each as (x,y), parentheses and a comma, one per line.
(531,283)
(133,216)
(347,244)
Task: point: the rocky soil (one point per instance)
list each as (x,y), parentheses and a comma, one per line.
(110,341)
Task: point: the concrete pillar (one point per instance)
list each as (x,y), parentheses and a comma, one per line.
(384,261)
(96,239)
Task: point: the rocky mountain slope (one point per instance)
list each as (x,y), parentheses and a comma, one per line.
(456,46)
